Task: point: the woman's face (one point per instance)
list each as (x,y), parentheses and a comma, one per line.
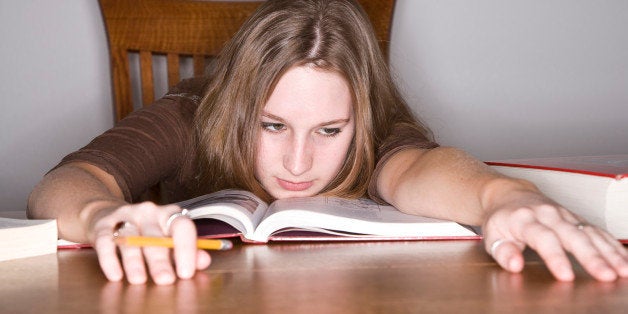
(306,128)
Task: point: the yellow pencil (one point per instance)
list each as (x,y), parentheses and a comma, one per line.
(204,244)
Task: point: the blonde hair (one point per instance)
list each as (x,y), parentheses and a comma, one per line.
(333,35)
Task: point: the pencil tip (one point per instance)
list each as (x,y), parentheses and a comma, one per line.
(226,245)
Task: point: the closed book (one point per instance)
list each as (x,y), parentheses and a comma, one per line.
(593,187)
(21,238)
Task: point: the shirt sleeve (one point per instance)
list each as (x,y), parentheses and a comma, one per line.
(150,145)
(403,136)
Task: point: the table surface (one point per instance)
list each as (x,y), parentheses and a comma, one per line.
(365,277)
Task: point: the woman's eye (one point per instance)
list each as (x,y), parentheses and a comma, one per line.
(329,131)
(273,127)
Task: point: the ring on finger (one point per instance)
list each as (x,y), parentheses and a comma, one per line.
(581,225)
(119,226)
(182,213)
(495,245)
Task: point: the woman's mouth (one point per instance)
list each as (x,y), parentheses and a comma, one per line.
(295,186)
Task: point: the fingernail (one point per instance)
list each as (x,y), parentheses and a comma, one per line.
(566,276)
(608,276)
(164,278)
(515,264)
(185,273)
(137,280)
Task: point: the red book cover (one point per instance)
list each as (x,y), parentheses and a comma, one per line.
(612,166)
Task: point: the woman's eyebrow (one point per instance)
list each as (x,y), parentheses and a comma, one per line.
(335,122)
(274,117)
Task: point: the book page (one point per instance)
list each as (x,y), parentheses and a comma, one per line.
(363,209)
(361,216)
(241,209)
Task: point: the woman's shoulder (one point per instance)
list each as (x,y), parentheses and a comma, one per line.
(177,106)
(191,88)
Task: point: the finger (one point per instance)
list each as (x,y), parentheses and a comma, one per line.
(622,261)
(184,236)
(158,258)
(203,260)
(107,256)
(619,247)
(508,255)
(159,265)
(537,230)
(580,243)
(547,244)
(105,224)
(608,259)
(132,258)
(598,252)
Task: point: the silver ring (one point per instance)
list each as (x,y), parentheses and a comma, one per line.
(182,213)
(581,225)
(119,226)
(495,245)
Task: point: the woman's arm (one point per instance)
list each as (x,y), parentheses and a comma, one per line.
(72,194)
(448,183)
(88,205)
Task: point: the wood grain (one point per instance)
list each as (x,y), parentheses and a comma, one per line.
(376,277)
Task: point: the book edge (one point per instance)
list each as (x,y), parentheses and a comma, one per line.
(562,169)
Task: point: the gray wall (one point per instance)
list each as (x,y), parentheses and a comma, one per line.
(55,87)
(525,78)
(501,79)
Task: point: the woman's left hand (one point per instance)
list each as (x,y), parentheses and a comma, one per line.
(528,218)
(448,183)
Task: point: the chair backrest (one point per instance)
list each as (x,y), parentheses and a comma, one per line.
(180,29)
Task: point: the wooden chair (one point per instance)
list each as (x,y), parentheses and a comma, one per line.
(184,29)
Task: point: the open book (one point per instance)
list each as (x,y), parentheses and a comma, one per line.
(594,187)
(232,213)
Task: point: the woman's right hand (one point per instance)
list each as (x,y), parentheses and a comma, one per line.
(145,219)
(89,206)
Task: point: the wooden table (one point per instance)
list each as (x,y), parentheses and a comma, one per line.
(384,277)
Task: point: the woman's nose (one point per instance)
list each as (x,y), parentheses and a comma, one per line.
(298,157)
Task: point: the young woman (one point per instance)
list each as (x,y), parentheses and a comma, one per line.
(299,103)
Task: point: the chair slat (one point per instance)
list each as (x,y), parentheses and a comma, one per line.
(121,82)
(146,70)
(199,64)
(174,73)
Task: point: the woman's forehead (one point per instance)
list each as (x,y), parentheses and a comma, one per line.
(310,91)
